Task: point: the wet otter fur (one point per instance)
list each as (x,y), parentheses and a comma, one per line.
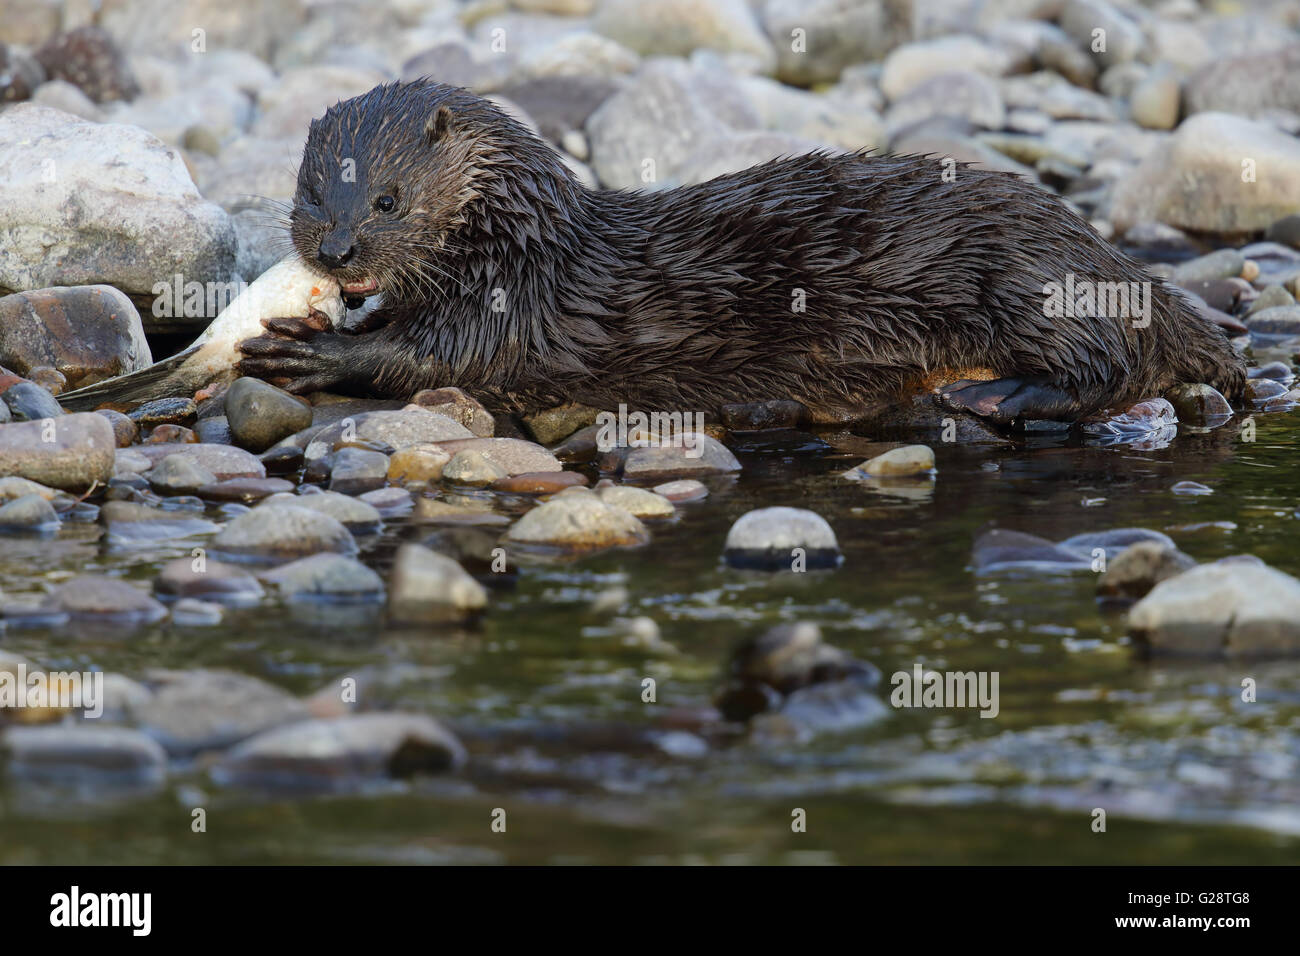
(839,281)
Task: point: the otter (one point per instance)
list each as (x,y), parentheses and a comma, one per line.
(838,281)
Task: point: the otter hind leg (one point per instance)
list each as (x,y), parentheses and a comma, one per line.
(1003,400)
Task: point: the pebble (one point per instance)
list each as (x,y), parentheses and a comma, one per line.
(224,461)
(1191,488)
(1140,567)
(244,489)
(556,424)
(512,455)
(422,464)
(28,513)
(694,456)
(426,587)
(281,532)
(471,467)
(100,598)
(684,489)
(539,483)
(341,753)
(124,430)
(780,538)
(394,429)
(131,524)
(178,475)
(164,411)
(459,407)
(578,521)
(636,501)
(259,415)
(358,470)
(91,60)
(68,752)
(389,502)
(328,577)
(191,612)
(81,454)
(1199,405)
(208,580)
(29,402)
(896,463)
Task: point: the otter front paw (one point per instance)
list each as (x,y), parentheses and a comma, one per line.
(1004,400)
(296,355)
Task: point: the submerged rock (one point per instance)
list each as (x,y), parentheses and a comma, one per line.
(342,752)
(330,577)
(1226,609)
(1200,405)
(1140,567)
(356,515)
(95,597)
(208,579)
(282,532)
(578,520)
(427,587)
(636,501)
(66,752)
(773,539)
(897,462)
(28,513)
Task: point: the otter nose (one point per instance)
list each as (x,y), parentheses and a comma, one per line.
(336,249)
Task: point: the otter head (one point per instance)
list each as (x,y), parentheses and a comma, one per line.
(386,180)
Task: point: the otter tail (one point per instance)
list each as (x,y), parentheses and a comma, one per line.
(138,386)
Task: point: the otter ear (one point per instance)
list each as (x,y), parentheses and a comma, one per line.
(438,125)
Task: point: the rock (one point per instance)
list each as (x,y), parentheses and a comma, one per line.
(388,502)
(772,539)
(89,333)
(1221,264)
(897,462)
(214,430)
(429,588)
(636,501)
(418,463)
(194,711)
(71,752)
(1155,102)
(1001,549)
(678,27)
(168,433)
(1140,567)
(125,431)
(761,416)
(50,379)
(357,470)
(164,411)
(588,58)
(1199,405)
(80,451)
(830,120)
(209,580)
(1123,39)
(28,402)
(459,407)
(963,94)
(1194,180)
(260,414)
(1286,230)
(687,489)
(907,67)
(578,521)
(91,60)
(1248,85)
(470,467)
(130,524)
(354,514)
(1222,609)
(122,205)
(1277,320)
(330,577)
(178,475)
(539,483)
(191,612)
(559,423)
(224,461)
(1262,390)
(837,33)
(513,455)
(246,490)
(396,429)
(100,598)
(287,108)
(1191,488)
(342,753)
(278,533)
(20,74)
(28,513)
(690,455)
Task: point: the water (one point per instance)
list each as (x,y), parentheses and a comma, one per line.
(549,700)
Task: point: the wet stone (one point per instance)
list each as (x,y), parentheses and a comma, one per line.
(389,502)
(578,522)
(1191,488)
(472,467)
(178,475)
(259,415)
(1200,405)
(131,524)
(1263,389)
(691,456)
(901,462)
(124,430)
(191,612)
(555,424)
(636,501)
(28,402)
(96,597)
(1139,568)
(224,461)
(281,532)
(686,489)
(244,489)
(209,580)
(30,513)
(168,434)
(66,752)
(356,470)
(427,587)
(215,430)
(326,577)
(539,483)
(165,411)
(513,455)
(773,539)
(359,517)
(418,463)
(459,407)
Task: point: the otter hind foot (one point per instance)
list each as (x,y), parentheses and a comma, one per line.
(1004,400)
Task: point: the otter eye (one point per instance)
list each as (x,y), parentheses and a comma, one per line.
(385,203)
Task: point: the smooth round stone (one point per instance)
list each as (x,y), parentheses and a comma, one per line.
(1140,567)
(459,407)
(82,453)
(94,596)
(1191,488)
(686,489)
(1285,230)
(282,459)
(553,424)
(471,467)
(191,612)
(539,482)
(326,577)
(897,463)
(125,430)
(28,513)
(396,429)
(359,517)
(130,523)
(209,580)
(578,522)
(29,402)
(165,411)
(356,470)
(169,434)
(767,539)
(177,474)
(244,489)
(224,461)
(279,533)
(515,456)
(637,501)
(261,415)
(74,751)
(418,463)
(692,457)
(427,587)
(1274,370)
(1273,297)
(1220,264)
(1263,389)
(214,430)
(342,752)
(1199,404)
(389,502)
